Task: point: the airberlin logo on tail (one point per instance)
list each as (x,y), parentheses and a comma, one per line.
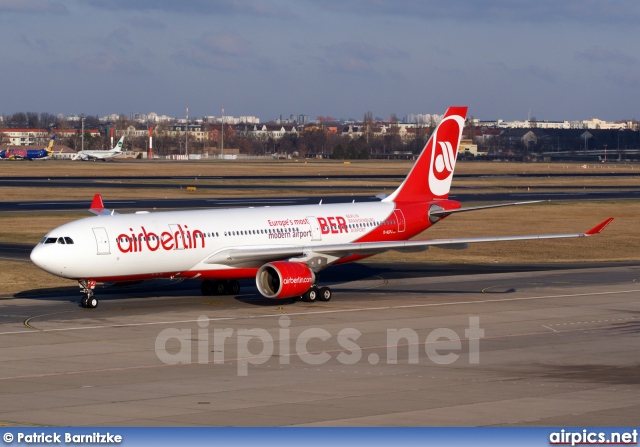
(444,150)
(445,160)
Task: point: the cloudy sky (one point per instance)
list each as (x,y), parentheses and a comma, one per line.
(552,59)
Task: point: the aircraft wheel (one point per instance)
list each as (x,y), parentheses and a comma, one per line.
(325,294)
(233,287)
(206,287)
(89,301)
(310,295)
(219,287)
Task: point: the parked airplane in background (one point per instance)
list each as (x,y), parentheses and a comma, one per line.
(283,248)
(28,154)
(101,155)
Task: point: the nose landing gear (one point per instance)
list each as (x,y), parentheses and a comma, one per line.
(88,300)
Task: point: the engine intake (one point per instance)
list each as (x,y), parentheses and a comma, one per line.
(283,279)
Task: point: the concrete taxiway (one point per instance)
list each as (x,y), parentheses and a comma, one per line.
(555,346)
(203,202)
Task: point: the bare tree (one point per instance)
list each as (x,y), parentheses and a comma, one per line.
(33,120)
(47,120)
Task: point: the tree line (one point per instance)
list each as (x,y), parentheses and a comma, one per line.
(319,139)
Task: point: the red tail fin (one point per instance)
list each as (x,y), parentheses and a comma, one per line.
(431,175)
(97,207)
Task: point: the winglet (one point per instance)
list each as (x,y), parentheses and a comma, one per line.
(97,207)
(598,228)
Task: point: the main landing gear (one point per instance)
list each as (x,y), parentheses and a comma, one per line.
(317,293)
(88,300)
(220,287)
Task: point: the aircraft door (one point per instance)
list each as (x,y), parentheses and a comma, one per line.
(402,225)
(316,234)
(178,236)
(102,241)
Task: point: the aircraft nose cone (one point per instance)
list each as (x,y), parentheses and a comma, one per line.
(38,257)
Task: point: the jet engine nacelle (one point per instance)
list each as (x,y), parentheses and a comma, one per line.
(283,279)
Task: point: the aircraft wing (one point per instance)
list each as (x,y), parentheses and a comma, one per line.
(245,254)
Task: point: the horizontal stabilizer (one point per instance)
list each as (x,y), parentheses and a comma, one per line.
(434,211)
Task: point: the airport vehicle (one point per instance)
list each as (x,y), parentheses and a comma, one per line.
(28,154)
(101,155)
(283,248)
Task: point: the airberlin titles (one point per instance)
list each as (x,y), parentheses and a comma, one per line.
(180,238)
(183,238)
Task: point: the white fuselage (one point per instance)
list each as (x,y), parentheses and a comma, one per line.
(185,243)
(98,155)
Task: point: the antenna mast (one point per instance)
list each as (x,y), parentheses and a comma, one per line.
(186,139)
(222,134)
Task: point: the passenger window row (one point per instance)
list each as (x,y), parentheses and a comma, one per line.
(362,225)
(156,238)
(261,231)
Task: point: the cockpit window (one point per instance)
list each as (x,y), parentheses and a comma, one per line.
(57,240)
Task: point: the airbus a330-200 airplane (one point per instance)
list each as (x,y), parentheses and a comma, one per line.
(283,248)
(101,155)
(28,154)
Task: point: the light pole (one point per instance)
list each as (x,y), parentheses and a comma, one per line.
(186,138)
(222,134)
(82,134)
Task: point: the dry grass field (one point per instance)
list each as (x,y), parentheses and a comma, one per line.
(619,242)
(312,168)
(193,173)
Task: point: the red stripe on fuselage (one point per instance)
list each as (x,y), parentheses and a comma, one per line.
(241,273)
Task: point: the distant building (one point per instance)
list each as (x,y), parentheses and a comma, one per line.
(32,137)
(427,119)
(264,132)
(24,137)
(467,148)
(196,131)
(63,153)
(593,123)
(71,132)
(232,120)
